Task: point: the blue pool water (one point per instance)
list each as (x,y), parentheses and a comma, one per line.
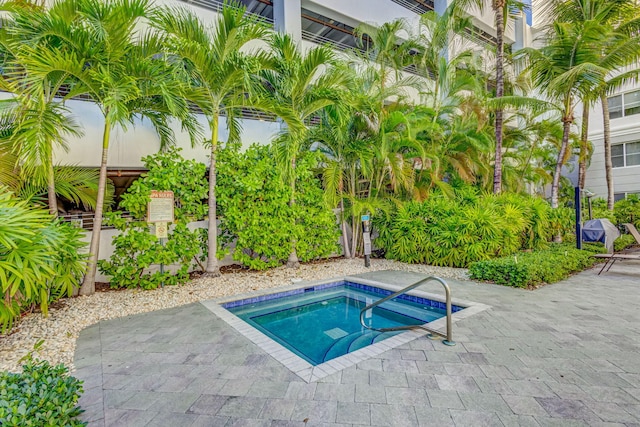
(323,322)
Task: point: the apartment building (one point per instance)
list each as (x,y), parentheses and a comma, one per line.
(310,22)
(624,110)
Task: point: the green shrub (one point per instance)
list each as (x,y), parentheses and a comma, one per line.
(41,396)
(255,214)
(39,258)
(628,210)
(624,211)
(471,227)
(136,248)
(526,269)
(623,242)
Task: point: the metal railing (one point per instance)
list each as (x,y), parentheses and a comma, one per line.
(84,220)
(449,333)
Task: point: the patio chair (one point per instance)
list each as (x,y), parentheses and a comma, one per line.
(612,258)
(634,232)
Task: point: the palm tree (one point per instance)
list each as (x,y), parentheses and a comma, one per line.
(617,47)
(303,84)
(564,69)
(502,11)
(391,46)
(39,119)
(122,70)
(221,77)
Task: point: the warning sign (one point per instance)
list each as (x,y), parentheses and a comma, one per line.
(162,230)
(160,208)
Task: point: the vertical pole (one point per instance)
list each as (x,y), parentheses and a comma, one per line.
(578,203)
(367,238)
(161,264)
(590,216)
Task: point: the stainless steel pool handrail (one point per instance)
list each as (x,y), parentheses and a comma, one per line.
(449,333)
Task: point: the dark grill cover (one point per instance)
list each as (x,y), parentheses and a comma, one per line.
(600,230)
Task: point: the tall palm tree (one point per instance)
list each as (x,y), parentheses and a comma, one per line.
(39,119)
(617,48)
(502,10)
(221,77)
(391,46)
(563,69)
(302,83)
(124,73)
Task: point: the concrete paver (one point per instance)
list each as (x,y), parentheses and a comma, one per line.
(565,354)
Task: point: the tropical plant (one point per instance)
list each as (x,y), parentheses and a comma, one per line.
(531,269)
(615,49)
(40,396)
(40,259)
(136,249)
(75,184)
(36,117)
(564,69)
(468,228)
(121,68)
(220,75)
(302,83)
(256,212)
(390,47)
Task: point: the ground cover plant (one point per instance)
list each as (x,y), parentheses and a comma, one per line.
(136,248)
(40,396)
(258,220)
(529,269)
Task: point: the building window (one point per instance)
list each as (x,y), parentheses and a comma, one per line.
(627,154)
(623,105)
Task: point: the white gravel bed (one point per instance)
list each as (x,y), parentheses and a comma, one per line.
(61,328)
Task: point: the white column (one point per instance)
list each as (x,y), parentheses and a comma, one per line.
(518,29)
(287,19)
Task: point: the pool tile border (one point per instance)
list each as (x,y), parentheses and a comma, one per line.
(305,370)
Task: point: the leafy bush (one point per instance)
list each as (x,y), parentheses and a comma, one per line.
(623,242)
(624,211)
(39,258)
(136,248)
(41,396)
(598,210)
(628,210)
(526,269)
(471,227)
(255,214)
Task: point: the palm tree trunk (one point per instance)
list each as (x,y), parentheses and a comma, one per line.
(293,261)
(584,141)
(343,225)
(608,164)
(354,239)
(555,186)
(497,171)
(213,270)
(89,283)
(51,187)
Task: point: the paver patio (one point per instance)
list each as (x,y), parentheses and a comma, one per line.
(566,354)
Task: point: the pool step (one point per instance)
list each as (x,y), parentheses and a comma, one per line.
(363,340)
(353,342)
(341,346)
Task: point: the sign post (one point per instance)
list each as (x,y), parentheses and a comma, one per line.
(366,239)
(578,203)
(160,213)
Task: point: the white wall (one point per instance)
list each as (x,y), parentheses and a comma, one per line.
(128,146)
(623,129)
